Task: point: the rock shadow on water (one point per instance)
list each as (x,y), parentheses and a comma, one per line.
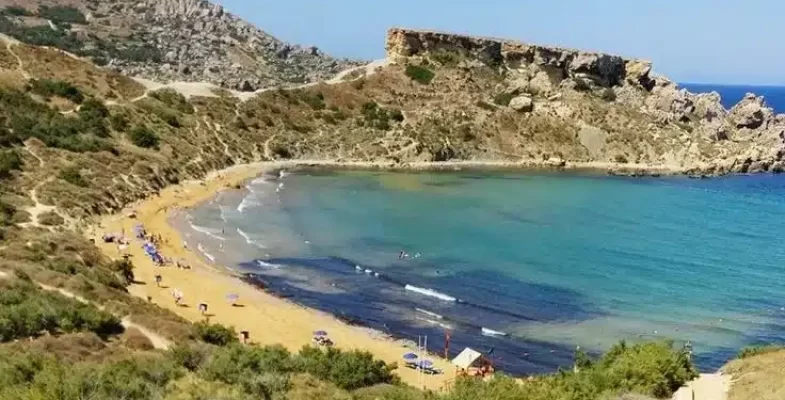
(383,303)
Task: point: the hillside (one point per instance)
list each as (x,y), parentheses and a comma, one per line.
(78,140)
(168,40)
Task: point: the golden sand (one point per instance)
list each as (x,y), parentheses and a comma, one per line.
(268,319)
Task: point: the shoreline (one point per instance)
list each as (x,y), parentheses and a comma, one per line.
(210,282)
(268,318)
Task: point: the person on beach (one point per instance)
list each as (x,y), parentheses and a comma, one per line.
(401,255)
(185,245)
(158,280)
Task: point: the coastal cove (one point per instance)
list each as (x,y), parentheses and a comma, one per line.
(639,259)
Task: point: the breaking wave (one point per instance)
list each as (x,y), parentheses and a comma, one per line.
(207,232)
(430,292)
(206,254)
(248,239)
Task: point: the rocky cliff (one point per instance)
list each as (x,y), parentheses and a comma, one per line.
(171,40)
(747,138)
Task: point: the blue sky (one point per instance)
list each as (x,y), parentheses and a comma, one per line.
(718,41)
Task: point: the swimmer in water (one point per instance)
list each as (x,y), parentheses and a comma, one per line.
(400,255)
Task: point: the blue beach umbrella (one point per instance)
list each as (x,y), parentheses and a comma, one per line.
(425,364)
(320,333)
(410,356)
(232,297)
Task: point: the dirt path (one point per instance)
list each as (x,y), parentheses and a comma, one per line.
(705,387)
(29,149)
(9,45)
(157,341)
(38,209)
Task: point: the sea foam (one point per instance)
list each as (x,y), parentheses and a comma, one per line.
(207,232)
(430,293)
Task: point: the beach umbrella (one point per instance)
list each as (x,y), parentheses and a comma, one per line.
(410,356)
(320,333)
(425,364)
(232,297)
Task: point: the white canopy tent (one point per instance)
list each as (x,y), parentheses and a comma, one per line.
(466,358)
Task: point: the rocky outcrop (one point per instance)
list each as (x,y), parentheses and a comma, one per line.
(600,69)
(690,131)
(191,40)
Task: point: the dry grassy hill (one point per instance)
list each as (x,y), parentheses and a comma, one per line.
(78,140)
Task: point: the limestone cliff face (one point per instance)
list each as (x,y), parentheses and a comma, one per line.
(707,138)
(602,69)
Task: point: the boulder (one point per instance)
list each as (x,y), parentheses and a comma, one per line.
(751,112)
(522,104)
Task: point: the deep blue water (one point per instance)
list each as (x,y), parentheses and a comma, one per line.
(731,94)
(553,260)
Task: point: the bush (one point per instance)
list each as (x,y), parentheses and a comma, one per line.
(125,270)
(620,158)
(144,137)
(17,11)
(315,101)
(27,311)
(173,100)
(752,351)
(93,114)
(118,122)
(9,161)
(216,334)
(62,14)
(51,218)
(50,87)
(346,369)
(420,74)
(73,175)
(7,212)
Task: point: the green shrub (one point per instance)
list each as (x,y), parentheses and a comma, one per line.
(118,122)
(503,99)
(144,137)
(62,14)
(173,100)
(9,161)
(7,212)
(17,11)
(73,175)
(125,270)
(445,57)
(51,218)
(27,311)
(752,351)
(216,334)
(92,115)
(420,74)
(346,369)
(49,87)
(315,101)
(620,158)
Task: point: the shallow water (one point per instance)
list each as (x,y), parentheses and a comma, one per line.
(553,261)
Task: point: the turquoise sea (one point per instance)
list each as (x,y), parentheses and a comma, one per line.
(550,260)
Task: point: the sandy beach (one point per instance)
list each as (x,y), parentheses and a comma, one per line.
(268,319)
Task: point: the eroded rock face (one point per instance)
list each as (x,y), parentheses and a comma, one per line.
(602,69)
(197,41)
(751,112)
(692,131)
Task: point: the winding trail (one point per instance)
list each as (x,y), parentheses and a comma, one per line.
(9,44)
(157,340)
